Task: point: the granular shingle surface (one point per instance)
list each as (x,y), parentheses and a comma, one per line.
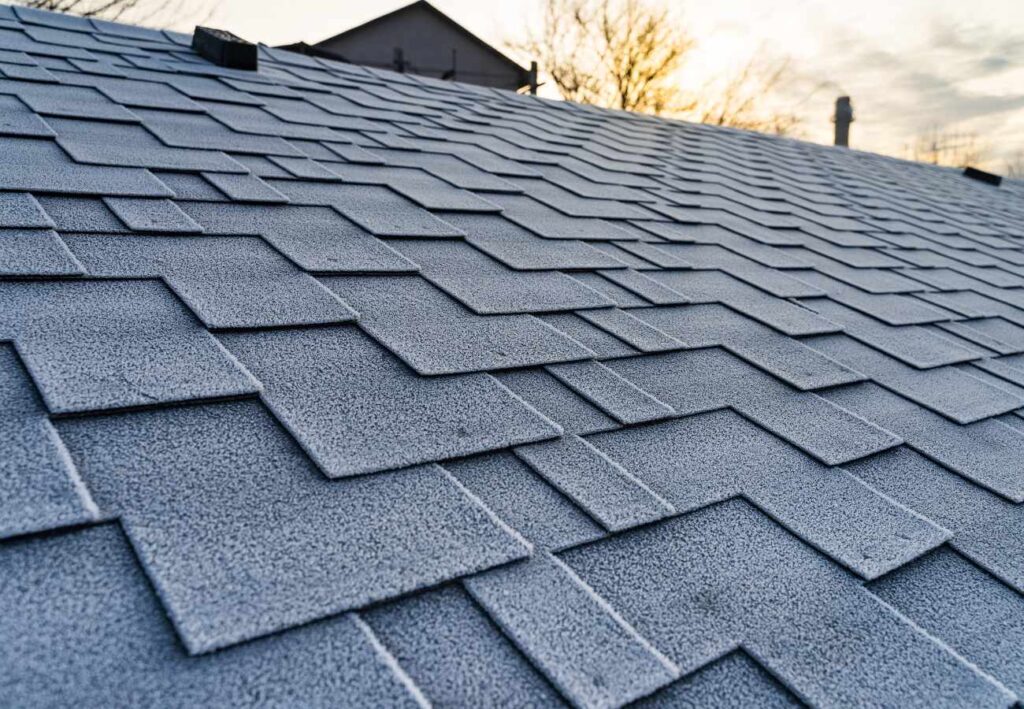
(322,385)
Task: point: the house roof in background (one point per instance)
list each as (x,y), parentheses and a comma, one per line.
(333,386)
(423,5)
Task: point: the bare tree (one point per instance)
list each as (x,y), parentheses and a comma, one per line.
(1015,165)
(155,12)
(615,53)
(949,148)
(629,54)
(738,103)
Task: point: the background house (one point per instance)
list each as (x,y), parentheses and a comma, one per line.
(420,39)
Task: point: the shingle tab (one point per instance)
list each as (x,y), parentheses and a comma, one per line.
(736,577)
(703,380)
(112,344)
(522,250)
(377,209)
(946,390)
(960,604)
(524,500)
(159,215)
(121,145)
(81,624)
(41,487)
(916,346)
(570,633)
(487,287)
(22,210)
(228,282)
(718,287)
(986,527)
(243,536)
(784,357)
(38,165)
(456,655)
(35,252)
(356,409)
(706,458)
(403,313)
(605,489)
(619,398)
(315,238)
(733,681)
(556,401)
(988,452)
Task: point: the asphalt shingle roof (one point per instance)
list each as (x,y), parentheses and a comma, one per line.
(326,386)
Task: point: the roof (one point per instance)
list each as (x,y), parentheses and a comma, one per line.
(418,9)
(321,385)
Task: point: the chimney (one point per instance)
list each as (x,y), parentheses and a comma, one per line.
(843,118)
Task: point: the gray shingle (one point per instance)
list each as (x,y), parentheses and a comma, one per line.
(243,536)
(112,344)
(377,209)
(891,309)
(41,487)
(647,288)
(556,401)
(603,387)
(986,527)
(421,187)
(703,380)
(356,409)
(201,132)
(17,119)
(159,215)
(786,358)
(732,681)
(702,459)
(315,238)
(736,577)
(606,490)
(946,390)
(228,282)
(593,338)
(435,334)
(41,166)
(35,252)
(67,101)
(960,604)
(632,330)
(911,344)
(487,287)
(988,452)
(245,188)
(521,498)
(524,251)
(456,655)
(82,214)
(570,634)
(995,333)
(82,625)
(122,145)
(551,224)
(22,210)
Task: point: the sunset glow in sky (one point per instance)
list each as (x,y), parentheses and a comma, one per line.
(909,65)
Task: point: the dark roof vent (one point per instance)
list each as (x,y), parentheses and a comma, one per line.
(224,49)
(981,176)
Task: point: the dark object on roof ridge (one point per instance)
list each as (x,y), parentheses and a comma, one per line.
(988,178)
(224,48)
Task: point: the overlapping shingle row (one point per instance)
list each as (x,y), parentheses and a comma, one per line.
(327,386)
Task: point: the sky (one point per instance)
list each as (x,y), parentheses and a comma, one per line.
(911,66)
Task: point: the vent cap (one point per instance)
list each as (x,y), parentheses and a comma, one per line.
(224,49)
(981,176)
